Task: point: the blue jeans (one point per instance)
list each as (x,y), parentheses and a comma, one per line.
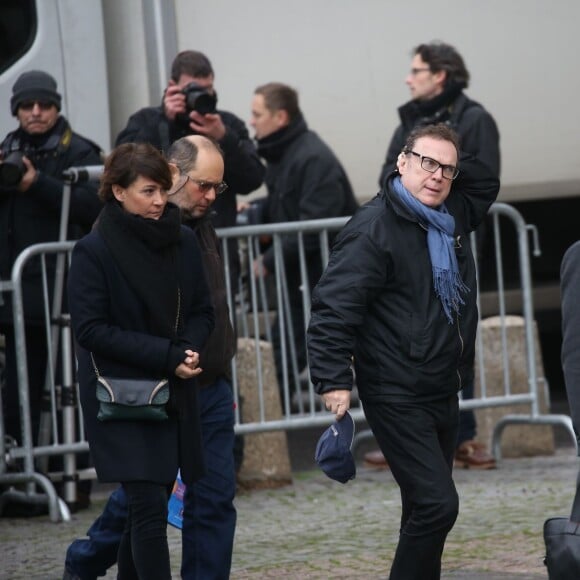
(209,517)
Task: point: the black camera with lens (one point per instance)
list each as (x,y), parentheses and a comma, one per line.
(199,99)
(12,169)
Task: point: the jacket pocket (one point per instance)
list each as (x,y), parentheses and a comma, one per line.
(418,338)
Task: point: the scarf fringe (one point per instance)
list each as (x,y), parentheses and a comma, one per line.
(448,287)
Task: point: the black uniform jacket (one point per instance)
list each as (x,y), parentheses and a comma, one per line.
(376,300)
(34,216)
(110,321)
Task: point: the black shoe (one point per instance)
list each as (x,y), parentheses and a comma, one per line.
(68,575)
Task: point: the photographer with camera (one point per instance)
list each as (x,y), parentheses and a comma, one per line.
(189,108)
(33,158)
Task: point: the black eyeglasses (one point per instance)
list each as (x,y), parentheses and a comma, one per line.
(205,186)
(428,164)
(415,71)
(29,105)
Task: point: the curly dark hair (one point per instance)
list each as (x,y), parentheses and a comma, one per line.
(440,56)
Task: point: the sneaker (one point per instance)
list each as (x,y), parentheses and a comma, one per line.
(375,459)
(473,455)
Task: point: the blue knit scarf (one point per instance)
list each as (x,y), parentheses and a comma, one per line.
(447,281)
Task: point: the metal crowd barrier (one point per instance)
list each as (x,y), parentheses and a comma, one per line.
(301,406)
(25,462)
(254,304)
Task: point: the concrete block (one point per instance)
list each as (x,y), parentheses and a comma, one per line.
(266,459)
(516,440)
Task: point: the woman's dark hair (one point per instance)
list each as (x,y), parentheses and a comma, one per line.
(129,161)
(440,131)
(440,56)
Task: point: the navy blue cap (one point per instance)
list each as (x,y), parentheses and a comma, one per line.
(333,453)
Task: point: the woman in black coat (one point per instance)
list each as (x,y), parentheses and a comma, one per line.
(140,308)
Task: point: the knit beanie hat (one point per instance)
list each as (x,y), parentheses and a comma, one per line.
(34,85)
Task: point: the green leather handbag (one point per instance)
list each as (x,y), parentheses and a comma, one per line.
(132,399)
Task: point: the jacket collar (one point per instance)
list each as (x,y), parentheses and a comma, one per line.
(449,104)
(273,146)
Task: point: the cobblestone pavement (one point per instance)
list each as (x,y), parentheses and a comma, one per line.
(319,529)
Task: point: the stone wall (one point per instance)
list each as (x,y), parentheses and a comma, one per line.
(266,460)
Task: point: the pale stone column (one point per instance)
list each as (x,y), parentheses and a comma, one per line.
(516,440)
(266,460)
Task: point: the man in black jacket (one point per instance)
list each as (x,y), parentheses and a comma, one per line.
(437,79)
(31,193)
(305,181)
(570,290)
(185,110)
(209,515)
(399,295)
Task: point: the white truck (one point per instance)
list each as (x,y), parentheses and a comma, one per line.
(348,59)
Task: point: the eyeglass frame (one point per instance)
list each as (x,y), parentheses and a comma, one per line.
(28,105)
(205,186)
(416,71)
(439,165)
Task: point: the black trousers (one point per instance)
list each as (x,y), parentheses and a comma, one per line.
(418,440)
(36,354)
(144,552)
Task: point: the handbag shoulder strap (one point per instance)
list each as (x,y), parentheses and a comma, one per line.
(95,366)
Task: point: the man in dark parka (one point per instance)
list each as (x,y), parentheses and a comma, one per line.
(173,119)
(305,181)
(30,213)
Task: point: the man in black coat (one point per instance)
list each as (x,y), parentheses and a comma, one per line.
(570,290)
(399,297)
(437,79)
(305,181)
(188,108)
(209,515)
(31,193)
